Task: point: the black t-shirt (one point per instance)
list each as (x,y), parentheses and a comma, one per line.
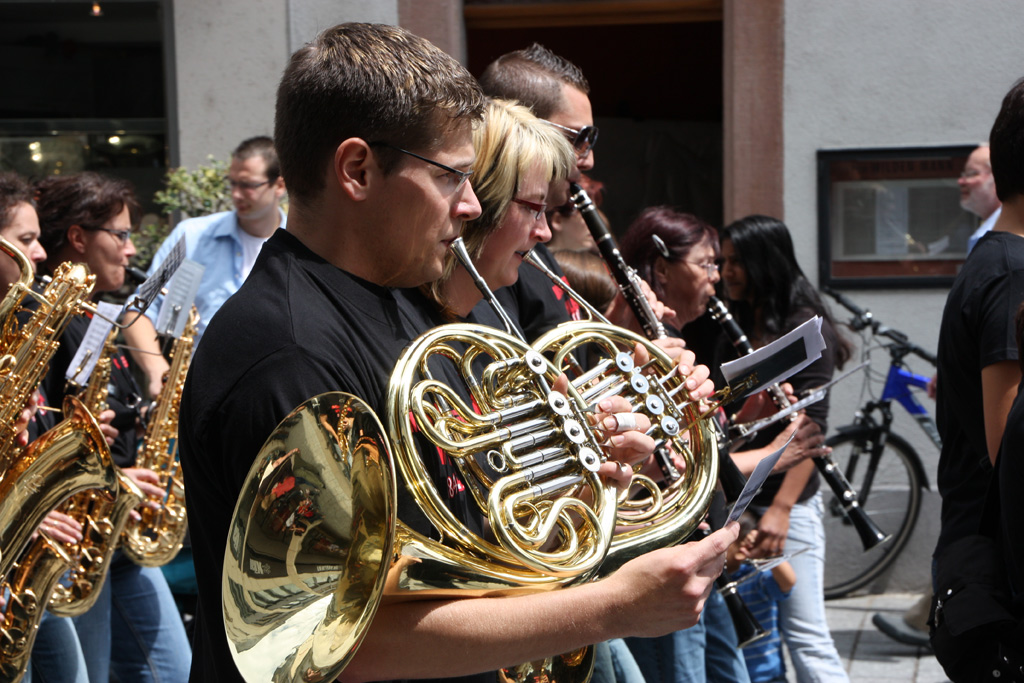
(535,301)
(1011,477)
(298,327)
(124,396)
(977,331)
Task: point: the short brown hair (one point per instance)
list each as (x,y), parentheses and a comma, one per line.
(13,191)
(369,81)
(85,199)
(263,147)
(533,77)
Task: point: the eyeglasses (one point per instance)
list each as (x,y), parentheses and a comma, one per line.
(122,235)
(248,187)
(583,140)
(710,267)
(971,173)
(456,176)
(538,210)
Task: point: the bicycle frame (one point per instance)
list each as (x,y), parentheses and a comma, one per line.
(897,388)
(874,433)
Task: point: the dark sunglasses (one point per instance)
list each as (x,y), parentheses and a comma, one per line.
(583,140)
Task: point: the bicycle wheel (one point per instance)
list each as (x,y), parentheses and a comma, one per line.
(889,490)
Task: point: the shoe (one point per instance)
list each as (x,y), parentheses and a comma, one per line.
(899,630)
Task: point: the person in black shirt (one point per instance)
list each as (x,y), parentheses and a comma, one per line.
(555,90)
(374,134)
(980,419)
(133,629)
(978,369)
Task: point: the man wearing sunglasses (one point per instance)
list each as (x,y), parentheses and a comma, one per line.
(557,91)
(553,88)
(225,243)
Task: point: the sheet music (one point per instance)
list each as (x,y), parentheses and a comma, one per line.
(181,292)
(782,358)
(810,397)
(757,477)
(149,289)
(91,348)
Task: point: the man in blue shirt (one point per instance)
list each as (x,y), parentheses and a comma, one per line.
(978,192)
(226,243)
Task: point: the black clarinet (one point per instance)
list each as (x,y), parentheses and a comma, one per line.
(748,628)
(870,534)
(625,277)
(729,475)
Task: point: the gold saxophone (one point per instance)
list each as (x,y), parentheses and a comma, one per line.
(71,457)
(102,513)
(156,538)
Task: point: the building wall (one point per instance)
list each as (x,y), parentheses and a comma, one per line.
(228,58)
(877,73)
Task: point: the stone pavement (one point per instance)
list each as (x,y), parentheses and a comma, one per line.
(869,655)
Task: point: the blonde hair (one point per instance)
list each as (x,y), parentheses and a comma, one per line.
(509,143)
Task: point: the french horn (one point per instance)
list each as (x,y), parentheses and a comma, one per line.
(316,542)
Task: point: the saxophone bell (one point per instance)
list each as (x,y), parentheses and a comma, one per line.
(157,536)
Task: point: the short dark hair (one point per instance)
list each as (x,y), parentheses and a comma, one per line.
(680,232)
(534,77)
(1006,144)
(13,191)
(85,199)
(262,146)
(369,81)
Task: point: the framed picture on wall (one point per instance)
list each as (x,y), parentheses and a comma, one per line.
(892,217)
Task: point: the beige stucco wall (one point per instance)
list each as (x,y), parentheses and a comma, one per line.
(228,58)
(877,73)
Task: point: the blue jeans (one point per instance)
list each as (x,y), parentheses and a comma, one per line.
(706,652)
(614,663)
(802,616)
(57,654)
(136,613)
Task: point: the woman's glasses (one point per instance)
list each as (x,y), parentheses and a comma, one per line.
(122,235)
(538,210)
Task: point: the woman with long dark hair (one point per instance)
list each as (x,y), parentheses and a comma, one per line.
(769,295)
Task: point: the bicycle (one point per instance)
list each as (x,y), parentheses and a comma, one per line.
(883,467)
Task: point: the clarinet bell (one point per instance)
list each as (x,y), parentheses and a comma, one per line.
(870,535)
(748,630)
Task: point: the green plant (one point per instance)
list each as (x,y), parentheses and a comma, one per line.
(190,193)
(196,193)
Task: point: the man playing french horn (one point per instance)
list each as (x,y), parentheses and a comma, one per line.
(374,132)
